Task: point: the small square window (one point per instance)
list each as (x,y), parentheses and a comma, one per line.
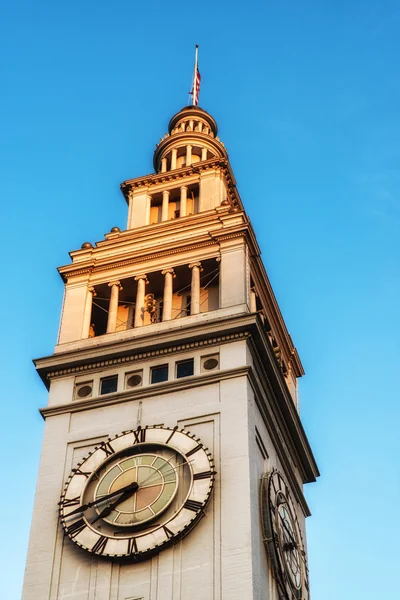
(108,385)
(159,374)
(184,368)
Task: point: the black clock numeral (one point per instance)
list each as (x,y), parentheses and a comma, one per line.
(76,527)
(193,450)
(203,475)
(107,448)
(100,545)
(172,433)
(193,505)
(70,502)
(78,471)
(140,435)
(132,546)
(168,532)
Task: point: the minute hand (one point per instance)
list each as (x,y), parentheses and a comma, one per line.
(132,487)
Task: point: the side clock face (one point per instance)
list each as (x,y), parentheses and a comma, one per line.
(282,537)
(137,493)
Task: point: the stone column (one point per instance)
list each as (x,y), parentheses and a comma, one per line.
(148,210)
(87,315)
(183,206)
(188,155)
(200,126)
(163,165)
(165,205)
(195,288)
(141,285)
(113,306)
(253,300)
(174,154)
(169,274)
(204,154)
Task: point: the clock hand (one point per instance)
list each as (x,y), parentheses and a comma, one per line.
(289,533)
(108,510)
(166,472)
(132,487)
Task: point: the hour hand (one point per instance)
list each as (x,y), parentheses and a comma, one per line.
(108,509)
(132,487)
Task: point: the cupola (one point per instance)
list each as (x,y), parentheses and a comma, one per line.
(191,138)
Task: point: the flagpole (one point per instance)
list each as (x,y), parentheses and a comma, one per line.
(195,74)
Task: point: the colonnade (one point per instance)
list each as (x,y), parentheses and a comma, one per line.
(142,281)
(173,155)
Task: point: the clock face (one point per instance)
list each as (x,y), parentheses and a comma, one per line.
(282,537)
(137,493)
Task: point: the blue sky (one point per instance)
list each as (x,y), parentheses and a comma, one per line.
(307,96)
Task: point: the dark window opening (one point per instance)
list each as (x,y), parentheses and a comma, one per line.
(185,368)
(159,374)
(108,385)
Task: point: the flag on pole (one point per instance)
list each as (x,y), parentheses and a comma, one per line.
(195,93)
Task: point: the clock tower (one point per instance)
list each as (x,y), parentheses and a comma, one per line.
(173,457)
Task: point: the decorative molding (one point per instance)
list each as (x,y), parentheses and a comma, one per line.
(129,261)
(145,355)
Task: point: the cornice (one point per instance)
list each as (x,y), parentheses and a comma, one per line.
(207,231)
(170,387)
(75,370)
(213,332)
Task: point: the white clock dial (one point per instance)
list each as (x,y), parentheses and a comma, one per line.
(137,492)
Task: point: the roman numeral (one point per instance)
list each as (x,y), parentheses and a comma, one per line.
(76,527)
(107,448)
(100,545)
(172,433)
(203,475)
(132,546)
(140,435)
(168,532)
(193,505)
(193,450)
(70,502)
(80,472)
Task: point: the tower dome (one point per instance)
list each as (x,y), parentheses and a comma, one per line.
(191,138)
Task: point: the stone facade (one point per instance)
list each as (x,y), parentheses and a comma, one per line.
(183,283)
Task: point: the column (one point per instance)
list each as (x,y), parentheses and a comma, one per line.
(200,126)
(163,165)
(169,275)
(174,154)
(253,300)
(148,210)
(165,205)
(204,154)
(141,284)
(182,208)
(195,288)
(87,315)
(113,306)
(188,155)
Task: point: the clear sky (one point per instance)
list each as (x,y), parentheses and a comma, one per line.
(307,97)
